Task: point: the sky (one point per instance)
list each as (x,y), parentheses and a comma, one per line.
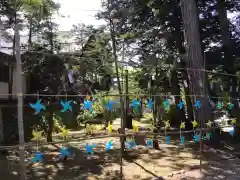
(80,11)
(70,12)
(77,11)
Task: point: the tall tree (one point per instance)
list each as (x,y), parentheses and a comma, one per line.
(227,46)
(195,58)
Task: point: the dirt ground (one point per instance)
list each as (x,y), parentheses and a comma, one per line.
(169,162)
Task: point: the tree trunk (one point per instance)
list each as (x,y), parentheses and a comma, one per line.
(156,102)
(128,114)
(155,90)
(10,83)
(195,59)
(50,126)
(30,33)
(188,100)
(227,47)
(179,113)
(179,36)
(228,56)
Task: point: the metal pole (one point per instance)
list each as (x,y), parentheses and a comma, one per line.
(20,104)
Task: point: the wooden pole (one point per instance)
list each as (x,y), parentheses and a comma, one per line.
(114,47)
(20,104)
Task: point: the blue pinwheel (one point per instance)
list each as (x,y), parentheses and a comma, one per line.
(230,106)
(66,106)
(182,140)
(87,105)
(180,105)
(130,144)
(196,138)
(64,153)
(135,104)
(38,107)
(208,136)
(109,105)
(231,132)
(109,145)
(167,139)
(149,143)
(219,105)
(89,148)
(197,104)
(38,157)
(166,104)
(150,103)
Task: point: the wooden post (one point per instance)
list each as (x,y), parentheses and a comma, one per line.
(20,104)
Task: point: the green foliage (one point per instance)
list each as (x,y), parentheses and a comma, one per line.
(86,116)
(66,119)
(133,85)
(57,124)
(97,110)
(169,114)
(39,67)
(148,116)
(96,57)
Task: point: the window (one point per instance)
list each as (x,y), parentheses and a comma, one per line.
(4,73)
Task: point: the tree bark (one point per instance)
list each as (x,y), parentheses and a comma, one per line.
(179,38)
(30,33)
(195,59)
(50,126)
(227,47)
(188,100)
(229,64)
(179,113)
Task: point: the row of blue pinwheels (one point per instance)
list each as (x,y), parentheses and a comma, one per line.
(109,104)
(129,144)
(89,148)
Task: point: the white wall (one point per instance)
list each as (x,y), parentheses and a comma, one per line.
(4,86)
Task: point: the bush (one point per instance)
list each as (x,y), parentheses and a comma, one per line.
(99,111)
(170,113)
(85,116)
